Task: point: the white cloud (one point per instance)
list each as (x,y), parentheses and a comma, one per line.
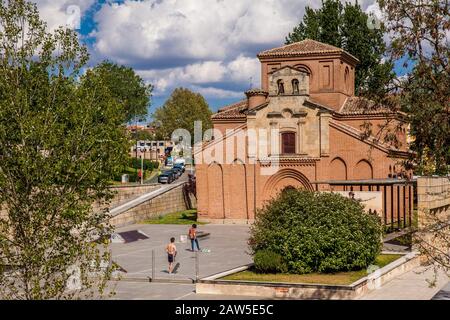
(242,70)
(210,92)
(191,29)
(206,45)
(200,43)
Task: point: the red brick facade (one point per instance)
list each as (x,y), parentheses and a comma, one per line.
(307,97)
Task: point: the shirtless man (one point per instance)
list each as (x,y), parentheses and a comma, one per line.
(171,250)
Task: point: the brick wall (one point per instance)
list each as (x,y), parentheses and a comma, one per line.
(169,202)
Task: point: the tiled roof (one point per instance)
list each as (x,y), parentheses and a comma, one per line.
(305,47)
(359,105)
(233,111)
(352,106)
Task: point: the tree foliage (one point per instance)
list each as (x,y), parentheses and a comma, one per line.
(180,111)
(128,88)
(317,232)
(142,135)
(420,32)
(346,26)
(267,261)
(61,141)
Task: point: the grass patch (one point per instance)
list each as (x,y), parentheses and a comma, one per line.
(339,278)
(182,217)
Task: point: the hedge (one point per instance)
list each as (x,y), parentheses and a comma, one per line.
(317,232)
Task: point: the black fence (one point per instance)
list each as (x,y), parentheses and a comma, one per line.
(399,198)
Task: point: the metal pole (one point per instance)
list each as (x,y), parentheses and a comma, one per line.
(153,265)
(196,266)
(136,136)
(142,170)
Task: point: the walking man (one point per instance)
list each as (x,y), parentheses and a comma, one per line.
(171,250)
(193,237)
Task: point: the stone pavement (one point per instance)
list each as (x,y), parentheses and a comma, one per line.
(127,290)
(411,285)
(228,250)
(228,245)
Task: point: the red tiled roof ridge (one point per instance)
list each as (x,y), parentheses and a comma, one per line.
(361,105)
(233,105)
(304,46)
(232,111)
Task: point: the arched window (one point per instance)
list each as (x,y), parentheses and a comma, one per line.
(288,143)
(303,68)
(288,189)
(295,89)
(280,86)
(363,170)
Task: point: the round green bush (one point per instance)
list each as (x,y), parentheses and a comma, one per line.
(317,232)
(267,261)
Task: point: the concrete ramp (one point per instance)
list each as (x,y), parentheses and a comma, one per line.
(167,199)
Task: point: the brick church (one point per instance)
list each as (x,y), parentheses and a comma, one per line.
(310,123)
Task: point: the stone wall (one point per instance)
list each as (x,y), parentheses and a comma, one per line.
(433,209)
(433,199)
(128,192)
(168,202)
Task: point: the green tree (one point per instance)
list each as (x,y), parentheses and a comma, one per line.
(346,26)
(127,88)
(180,111)
(315,232)
(420,37)
(61,141)
(420,32)
(142,135)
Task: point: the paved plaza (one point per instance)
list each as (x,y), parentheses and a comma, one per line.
(227,245)
(228,249)
(412,285)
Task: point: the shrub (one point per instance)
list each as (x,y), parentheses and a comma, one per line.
(317,232)
(148,164)
(267,261)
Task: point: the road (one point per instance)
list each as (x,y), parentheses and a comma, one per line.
(184,177)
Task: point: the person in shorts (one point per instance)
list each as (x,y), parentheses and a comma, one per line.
(171,250)
(193,237)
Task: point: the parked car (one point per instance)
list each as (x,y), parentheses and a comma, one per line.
(166,177)
(177,172)
(180,166)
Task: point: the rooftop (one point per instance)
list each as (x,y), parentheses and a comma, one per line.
(233,111)
(359,106)
(304,48)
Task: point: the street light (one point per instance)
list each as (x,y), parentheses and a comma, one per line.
(142,170)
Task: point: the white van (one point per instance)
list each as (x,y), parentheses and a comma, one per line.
(180,161)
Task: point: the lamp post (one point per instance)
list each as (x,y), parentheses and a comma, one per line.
(136,135)
(142,170)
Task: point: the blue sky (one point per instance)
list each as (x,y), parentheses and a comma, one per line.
(208,46)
